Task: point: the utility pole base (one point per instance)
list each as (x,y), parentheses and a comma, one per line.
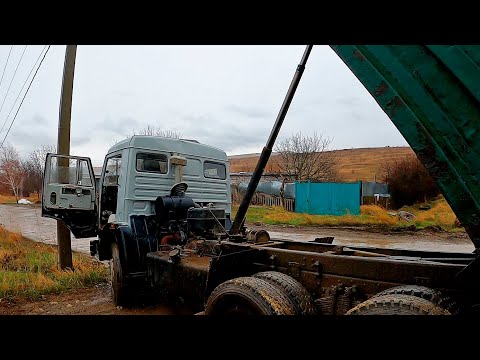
(65,251)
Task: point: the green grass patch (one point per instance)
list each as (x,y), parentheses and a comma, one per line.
(29,269)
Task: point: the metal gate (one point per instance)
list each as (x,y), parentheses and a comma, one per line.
(327,198)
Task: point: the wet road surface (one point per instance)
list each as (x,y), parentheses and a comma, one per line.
(424,241)
(27,220)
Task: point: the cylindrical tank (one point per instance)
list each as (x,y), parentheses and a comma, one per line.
(172,207)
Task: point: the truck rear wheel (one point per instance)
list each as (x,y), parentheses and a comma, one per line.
(426,293)
(297,293)
(248,296)
(119,291)
(397,304)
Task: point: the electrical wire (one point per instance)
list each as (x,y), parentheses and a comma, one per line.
(24,83)
(3,73)
(13,77)
(26,92)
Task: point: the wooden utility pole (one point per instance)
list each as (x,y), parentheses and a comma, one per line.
(64,240)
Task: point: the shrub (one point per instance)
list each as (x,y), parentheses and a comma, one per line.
(409,181)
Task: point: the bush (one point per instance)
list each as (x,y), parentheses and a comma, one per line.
(409,182)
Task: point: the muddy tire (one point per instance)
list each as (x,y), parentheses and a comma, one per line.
(248,296)
(119,290)
(397,304)
(423,292)
(297,293)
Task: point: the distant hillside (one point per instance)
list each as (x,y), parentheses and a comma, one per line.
(353,164)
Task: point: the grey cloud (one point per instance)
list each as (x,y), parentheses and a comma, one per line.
(40,120)
(122,126)
(27,141)
(31,137)
(225,134)
(120,92)
(349,101)
(80,140)
(28,134)
(26,125)
(35,127)
(249,112)
(356,116)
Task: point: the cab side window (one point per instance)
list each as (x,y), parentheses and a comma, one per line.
(108,203)
(157,163)
(112,171)
(214,170)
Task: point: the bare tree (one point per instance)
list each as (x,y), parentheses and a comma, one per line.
(152,131)
(35,166)
(11,169)
(302,157)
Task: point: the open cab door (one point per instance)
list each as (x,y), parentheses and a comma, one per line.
(69,193)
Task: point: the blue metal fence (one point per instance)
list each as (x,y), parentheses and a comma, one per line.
(327,198)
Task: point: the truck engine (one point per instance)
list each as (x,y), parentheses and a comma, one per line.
(180,219)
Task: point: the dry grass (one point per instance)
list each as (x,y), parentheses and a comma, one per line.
(440,216)
(370,215)
(29,269)
(10,199)
(353,164)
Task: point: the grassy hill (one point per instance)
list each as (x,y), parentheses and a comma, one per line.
(353,164)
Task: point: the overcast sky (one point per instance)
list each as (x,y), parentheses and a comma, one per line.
(224,96)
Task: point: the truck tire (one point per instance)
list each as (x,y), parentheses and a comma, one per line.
(248,296)
(397,304)
(119,289)
(423,292)
(297,293)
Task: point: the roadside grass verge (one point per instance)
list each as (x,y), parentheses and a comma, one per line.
(29,269)
(10,199)
(439,217)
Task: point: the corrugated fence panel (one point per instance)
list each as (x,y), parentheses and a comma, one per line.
(327,198)
(302,197)
(372,188)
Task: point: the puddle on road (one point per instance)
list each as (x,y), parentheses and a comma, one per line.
(403,242)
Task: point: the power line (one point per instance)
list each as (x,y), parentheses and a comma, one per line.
(13,77)
(3,73)
(24,83)
(26,92)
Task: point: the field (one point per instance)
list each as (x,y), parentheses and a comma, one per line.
(353,164)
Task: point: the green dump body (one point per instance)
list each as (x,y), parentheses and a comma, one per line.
(432,95)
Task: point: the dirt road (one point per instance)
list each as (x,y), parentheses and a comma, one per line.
(27,220)
(91,301)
